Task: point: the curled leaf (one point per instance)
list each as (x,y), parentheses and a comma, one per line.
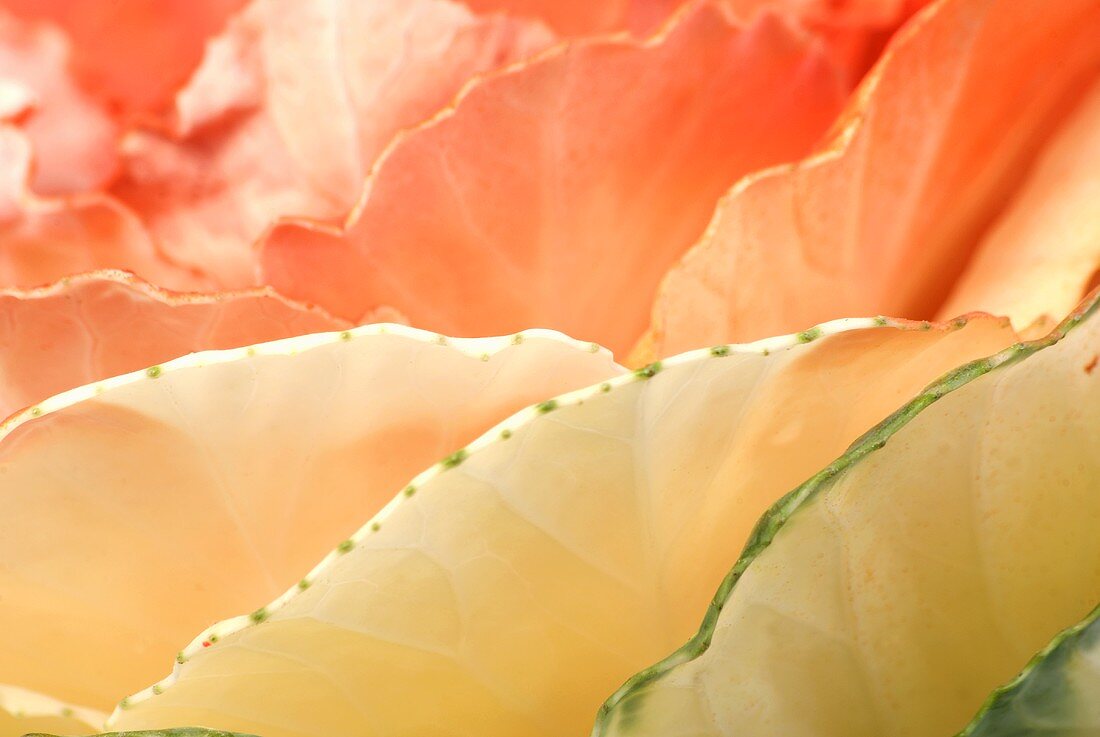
(854,31)
(558,192)
(517,582)
(43,239)
(132,54)
(1043,252)
(93,326)
(72,136)
(290,109)
(209,484)
(890,592)
(581,18)
(883,217)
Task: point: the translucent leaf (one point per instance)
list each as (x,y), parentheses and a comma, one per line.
(581,18)
(1043,253)
(133,54)
(289,110)
(510,588)
(854,30)
(135,511)
(893,590)
(883,216)
(23,711)
(43,239)
(89,327)
(73,138)
(557,193)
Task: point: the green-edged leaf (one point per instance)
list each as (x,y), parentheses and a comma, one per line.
(1057,694)
(507,590)
(893,590)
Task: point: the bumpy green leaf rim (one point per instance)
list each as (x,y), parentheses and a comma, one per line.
(777,515)
(482,348)
(215,634)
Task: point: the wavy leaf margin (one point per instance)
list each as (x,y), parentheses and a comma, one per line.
(777,515)
(503,431)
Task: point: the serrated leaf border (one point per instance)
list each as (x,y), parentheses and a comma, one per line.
(483,348)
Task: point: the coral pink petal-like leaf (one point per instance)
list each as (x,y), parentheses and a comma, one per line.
(884,217)
(850,13)
(133,54)
(582,17)
(337,101)
(557,193)
(93,326)
(45,239)
(72,136)
(1044,251)
(855,31)
(290,109)
(208,199)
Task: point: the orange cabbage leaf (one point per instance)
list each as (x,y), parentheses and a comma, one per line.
(558,193)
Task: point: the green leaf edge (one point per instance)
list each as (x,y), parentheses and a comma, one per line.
(777,515)
(1044,663)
